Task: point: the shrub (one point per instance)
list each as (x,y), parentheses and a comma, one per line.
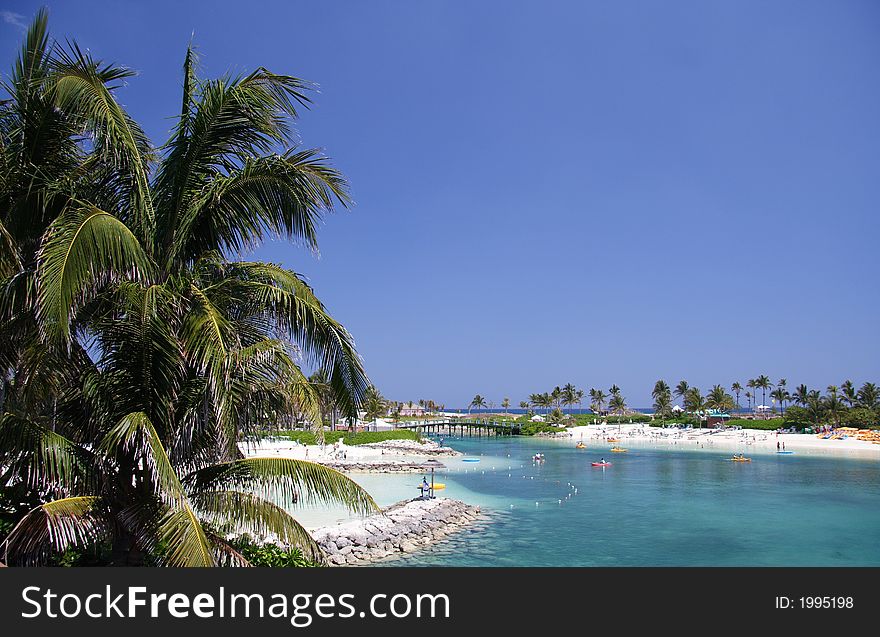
(270,554)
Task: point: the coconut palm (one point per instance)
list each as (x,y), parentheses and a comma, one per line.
(375,405)
(505,404)
(869,396)
(681,390)
(695,403)
(141,353)
(801,394)
(763,383)
(477,403)
(597,400)
(617,405)
(569,395)
(751,384)
(749,399)
(524,405)
(833,407)
(848,390)
(719,399)
(736,388)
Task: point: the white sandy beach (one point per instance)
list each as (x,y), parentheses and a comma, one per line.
(741,441)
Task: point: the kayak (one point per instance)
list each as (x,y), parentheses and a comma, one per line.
(788,453)
(580,445)
(740,459)
(470,459)
(601,464)
(617,450)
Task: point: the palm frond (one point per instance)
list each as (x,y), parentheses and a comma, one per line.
(184,539)
(43,459)
(135,433)
(56,526)
(240,512)
(84,249)
(294,481)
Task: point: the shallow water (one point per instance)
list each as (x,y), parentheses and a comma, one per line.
(652,507)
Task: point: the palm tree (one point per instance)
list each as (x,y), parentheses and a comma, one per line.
(815,406)
(749,399)
(736,388)
(505,404)
(569,395)
(597,400)
(523,404)
(614,390)
(477,403)
(375,405)
(719,399)
(763,383)
(556,396)
(579,398)
(833,407)
(849,393)
(751,384)
(801,394)
(141,353)
(695,403)
(662,396)
(868,396)
(681,390)
(618,406)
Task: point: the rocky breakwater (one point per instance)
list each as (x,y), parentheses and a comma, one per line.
(404,527)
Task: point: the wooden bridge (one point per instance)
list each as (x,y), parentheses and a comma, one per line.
(449,426)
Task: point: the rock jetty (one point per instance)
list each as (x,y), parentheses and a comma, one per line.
(404,527)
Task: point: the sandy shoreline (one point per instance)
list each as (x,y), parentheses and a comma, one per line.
(741,441)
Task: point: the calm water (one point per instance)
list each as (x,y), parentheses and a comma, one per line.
(658,508)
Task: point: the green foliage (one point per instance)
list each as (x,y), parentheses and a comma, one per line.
(359,438)
(861,417)
(771,424)
(270,554)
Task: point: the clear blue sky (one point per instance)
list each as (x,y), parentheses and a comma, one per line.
(552,192)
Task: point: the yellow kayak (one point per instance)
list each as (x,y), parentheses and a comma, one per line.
(580,445)
(740,459)
(618,450)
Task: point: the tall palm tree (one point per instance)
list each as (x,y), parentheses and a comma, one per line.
(523,404)
(763,383)
(736,388)
(505,404)
(752,385)
(695,403)
(140,353)
(614,390)
(849,393)
(681,390)
(801,394)
(869,396)
(749,400)
(597,400)
(833,407)
(618,406)
(569,395)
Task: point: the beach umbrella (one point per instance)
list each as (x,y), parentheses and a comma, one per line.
(433,464)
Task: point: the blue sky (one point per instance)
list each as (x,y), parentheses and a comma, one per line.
(552,192)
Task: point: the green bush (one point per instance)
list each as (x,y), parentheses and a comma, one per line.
(770,424)
(860,417)
(270,554)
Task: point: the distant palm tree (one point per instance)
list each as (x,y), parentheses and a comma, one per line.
(505,404)
(617,406)
(849,393)
(660,389)
(556,396)
(695,403)
(736,388)
(523,405)
(719,399)
(814,405)
(597,400)
(579,396)
(751,384)
(375,405)
(780,395)
(615,390)
(748,395)
(869,396)
(477,403)
(663,405)
(801,395)
(569,395)
(833,406)
(681,390)
(763,383)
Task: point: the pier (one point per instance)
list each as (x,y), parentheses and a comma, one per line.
(463,427)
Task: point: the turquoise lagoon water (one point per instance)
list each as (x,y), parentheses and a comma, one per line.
(652,508)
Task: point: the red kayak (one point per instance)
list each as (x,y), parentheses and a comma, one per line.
(601,464)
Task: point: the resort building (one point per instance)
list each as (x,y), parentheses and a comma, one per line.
(411,409)
(716,419)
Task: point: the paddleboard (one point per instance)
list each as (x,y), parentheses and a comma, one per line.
(470,459)
(785,452)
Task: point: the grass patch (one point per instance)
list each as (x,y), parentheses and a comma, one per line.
(359,438)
